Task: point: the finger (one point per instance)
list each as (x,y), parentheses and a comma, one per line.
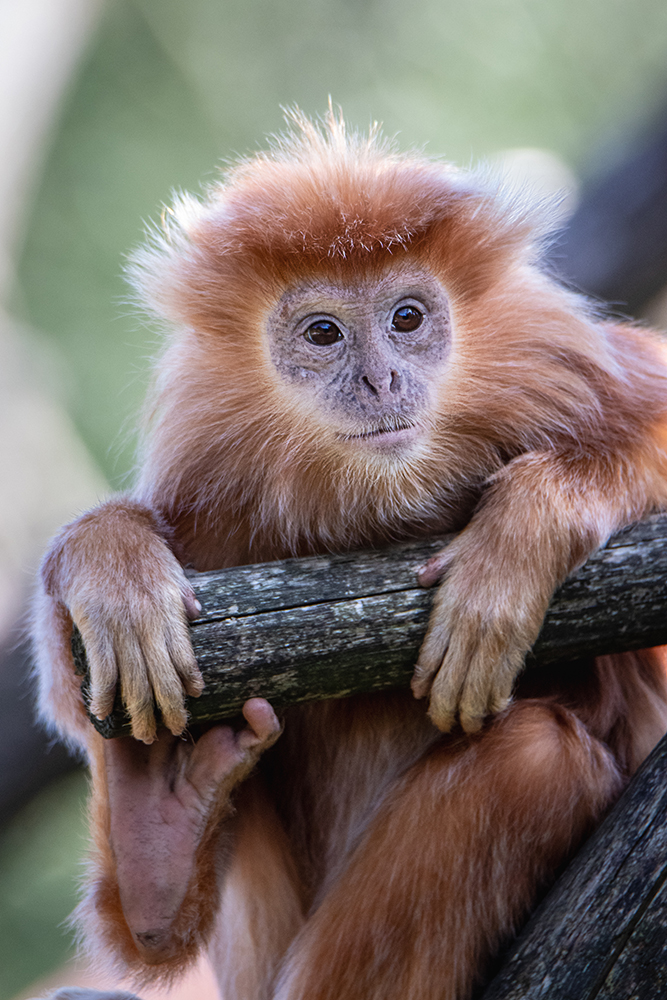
(103,670)
(488,684)
(471,722)
(449,682)
(444,698)
(431,655)
(193,608)
(422,678)
(474,710)
(214,757)
(222,754)
(475,695)
(182,657)
(135,686)
(263,725)
(504,681)
(131,765)
(435,568)
(433,648)
(165,683)
(500,698)
(474,700)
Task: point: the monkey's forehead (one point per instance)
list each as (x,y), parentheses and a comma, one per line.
(330,209)
(330,204)
(328,192)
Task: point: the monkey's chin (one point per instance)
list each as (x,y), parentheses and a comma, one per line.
(385,441)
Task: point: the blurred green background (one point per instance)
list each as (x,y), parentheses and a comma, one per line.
(165,92)
(40,869)
(170,89)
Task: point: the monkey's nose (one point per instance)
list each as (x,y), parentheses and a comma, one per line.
(379,385)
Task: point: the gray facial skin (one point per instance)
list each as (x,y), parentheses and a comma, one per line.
(366,354)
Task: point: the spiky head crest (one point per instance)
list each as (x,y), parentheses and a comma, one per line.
(323,198)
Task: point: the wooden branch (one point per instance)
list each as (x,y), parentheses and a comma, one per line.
(332,626)
(600,933)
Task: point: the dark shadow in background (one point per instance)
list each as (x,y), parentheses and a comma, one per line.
(615,246)
(29,758)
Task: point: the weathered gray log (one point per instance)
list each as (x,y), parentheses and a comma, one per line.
(332,626)
(601,933)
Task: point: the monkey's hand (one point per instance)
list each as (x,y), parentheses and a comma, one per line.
(127,594)
(544,514)
(481,627)
(166,804)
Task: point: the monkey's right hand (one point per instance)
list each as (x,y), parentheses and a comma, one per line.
(128,596)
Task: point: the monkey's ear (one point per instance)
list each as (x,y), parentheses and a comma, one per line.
(83,993)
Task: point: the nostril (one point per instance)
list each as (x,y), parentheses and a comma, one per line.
(369,385)
(395,383)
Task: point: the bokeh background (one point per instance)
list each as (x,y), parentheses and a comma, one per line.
(106,108)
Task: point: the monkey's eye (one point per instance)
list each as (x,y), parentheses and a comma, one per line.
(322,333)
(406,319)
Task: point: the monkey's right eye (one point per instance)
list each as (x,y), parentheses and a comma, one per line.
(323,333)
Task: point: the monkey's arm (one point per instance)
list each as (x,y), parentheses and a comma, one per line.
(112,573)
(544,514)
(159,811)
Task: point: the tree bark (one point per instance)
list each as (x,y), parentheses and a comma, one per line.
(600,933)
(333,626)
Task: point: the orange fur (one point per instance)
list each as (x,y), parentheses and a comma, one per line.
(461,845)
(372,856)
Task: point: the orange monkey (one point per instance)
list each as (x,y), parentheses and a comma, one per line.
(365,349)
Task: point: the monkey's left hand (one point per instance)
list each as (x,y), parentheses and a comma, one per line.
(486,616)
(543,515)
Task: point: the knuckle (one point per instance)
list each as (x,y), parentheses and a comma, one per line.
(144,729)
(183,658)
(441,718)
(170,701)
(175,721)
(101,690)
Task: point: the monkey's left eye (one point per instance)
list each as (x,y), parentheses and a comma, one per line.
(406,319)
(322,333)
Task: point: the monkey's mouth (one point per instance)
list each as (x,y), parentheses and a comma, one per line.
(389,431)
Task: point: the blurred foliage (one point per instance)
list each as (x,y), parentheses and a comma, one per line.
(40,866)
(168,89)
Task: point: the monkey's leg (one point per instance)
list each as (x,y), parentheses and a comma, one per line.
(159,816)
(454,860)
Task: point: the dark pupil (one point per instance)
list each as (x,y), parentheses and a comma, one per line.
(406,319)
(323,333)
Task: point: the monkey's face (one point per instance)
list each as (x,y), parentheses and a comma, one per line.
(364,354)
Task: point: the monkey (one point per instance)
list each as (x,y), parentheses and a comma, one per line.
(365,347)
